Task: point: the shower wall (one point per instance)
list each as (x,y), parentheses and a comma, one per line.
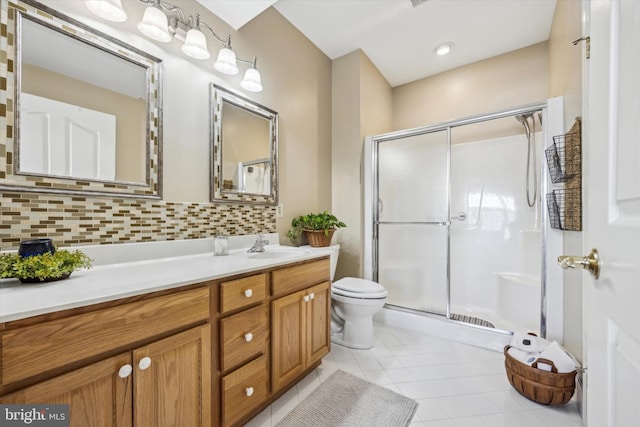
(495,251)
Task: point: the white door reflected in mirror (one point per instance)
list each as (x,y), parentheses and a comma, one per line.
(61,139)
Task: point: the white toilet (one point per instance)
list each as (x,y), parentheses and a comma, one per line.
(353,303)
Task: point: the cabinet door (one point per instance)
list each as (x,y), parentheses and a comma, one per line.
(288,339)
(318,324)
(173,380)
(96,394)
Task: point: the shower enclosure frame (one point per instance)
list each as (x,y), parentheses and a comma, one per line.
(552,123)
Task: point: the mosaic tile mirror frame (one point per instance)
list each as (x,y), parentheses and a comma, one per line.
(13,15)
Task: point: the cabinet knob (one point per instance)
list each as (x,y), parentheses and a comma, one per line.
(312,295)
(248,337)
(125,371)
(248,293)
(249,391)
(144,363)
(306,298)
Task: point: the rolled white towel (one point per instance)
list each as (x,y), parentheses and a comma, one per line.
(523,356)
(529,343)
(559,356)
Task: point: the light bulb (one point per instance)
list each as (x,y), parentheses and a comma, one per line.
(444,48)
(226,62)
(110,10)
(154,25)
(252,81)
(195,45)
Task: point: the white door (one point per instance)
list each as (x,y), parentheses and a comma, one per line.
(612,215)
(61,139)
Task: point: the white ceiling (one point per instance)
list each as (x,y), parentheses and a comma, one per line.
(400,39)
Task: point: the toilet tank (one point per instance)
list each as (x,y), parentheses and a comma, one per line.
(334,252)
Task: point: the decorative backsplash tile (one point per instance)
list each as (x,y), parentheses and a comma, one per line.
(87,221)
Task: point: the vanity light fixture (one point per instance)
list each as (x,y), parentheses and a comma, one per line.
(111,10)
(158,25)
(251,80)
(155,24)
(443,48)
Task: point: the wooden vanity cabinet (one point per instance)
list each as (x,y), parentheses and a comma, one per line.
(299,321)
(135,364)
(244,347)
(285,311)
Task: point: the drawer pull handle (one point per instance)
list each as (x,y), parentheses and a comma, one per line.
(249,391)
(144,363)
(306,298)
(312,295)
(125,371)
(248,337)
(248,293)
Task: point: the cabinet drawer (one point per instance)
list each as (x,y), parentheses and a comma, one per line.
(243,390)
(35,349)
(239,293)
(237,345)
(290,279)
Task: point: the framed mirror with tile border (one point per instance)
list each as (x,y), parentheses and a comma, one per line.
(15,172)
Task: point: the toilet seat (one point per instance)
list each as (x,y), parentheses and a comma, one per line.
(353,287)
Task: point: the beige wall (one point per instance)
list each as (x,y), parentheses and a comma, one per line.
(297,80)
(515,78)
(361,106)
(565,79)
(297,84)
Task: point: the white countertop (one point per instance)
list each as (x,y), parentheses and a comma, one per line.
(109,282)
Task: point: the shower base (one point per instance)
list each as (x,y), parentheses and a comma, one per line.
(440,326)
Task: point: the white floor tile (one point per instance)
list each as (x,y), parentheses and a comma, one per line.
(455,384)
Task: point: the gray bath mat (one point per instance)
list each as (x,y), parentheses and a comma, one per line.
(344,400)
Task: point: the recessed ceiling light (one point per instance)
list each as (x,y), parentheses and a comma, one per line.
(443,48)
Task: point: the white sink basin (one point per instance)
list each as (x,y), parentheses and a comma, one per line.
(273,252)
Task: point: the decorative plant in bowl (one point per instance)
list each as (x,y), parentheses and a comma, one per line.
(318,226)
(45,267)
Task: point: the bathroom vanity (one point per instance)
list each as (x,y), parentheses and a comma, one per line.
(223,336)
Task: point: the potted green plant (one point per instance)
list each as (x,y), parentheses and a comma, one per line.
(319,228)
(44,267)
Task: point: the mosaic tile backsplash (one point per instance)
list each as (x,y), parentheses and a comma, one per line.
(88,221)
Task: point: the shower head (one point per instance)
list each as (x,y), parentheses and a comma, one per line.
(524,120)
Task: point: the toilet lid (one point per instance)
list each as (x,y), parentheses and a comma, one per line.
(358,288)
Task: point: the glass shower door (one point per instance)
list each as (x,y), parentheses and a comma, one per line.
(411,222)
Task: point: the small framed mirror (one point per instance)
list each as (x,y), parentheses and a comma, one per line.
(85,107)
(244,150)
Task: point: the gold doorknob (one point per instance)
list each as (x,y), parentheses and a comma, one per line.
(591,262)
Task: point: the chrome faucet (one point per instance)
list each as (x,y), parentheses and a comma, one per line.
(259,244)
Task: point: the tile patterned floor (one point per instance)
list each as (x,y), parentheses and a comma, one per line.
(455,385)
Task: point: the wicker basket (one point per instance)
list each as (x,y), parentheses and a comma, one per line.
(548,388)
(318,238)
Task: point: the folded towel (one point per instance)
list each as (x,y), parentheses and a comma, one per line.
(559,356)
(529,343)
(522,356)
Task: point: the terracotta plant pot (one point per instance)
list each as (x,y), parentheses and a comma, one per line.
(318,238)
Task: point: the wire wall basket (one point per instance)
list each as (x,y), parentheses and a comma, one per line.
(565,212)
(564,157)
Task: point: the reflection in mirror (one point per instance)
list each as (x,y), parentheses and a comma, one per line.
(82,110)
(86,108)
(245,142)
